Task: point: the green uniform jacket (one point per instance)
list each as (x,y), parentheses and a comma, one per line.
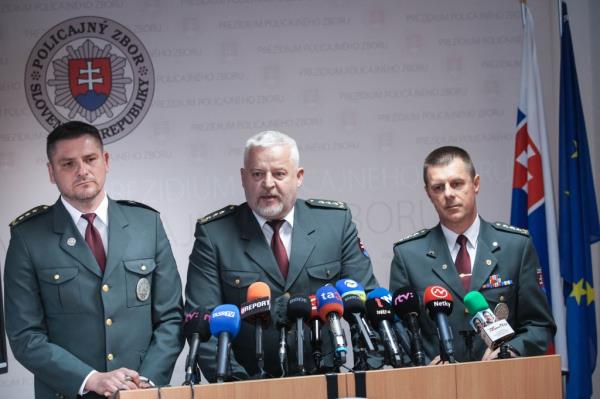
(503,251)
(230,253)
(58,302)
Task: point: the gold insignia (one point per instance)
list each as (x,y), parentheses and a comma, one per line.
(217,214)
(38,210)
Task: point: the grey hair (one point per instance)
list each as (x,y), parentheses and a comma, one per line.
(272,138)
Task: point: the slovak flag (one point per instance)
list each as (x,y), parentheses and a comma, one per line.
(532,194)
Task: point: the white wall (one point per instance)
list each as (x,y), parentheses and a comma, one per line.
(367,88)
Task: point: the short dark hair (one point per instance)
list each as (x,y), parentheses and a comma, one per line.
(71,130)
(444,155)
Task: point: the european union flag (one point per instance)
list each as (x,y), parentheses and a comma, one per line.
(578,226)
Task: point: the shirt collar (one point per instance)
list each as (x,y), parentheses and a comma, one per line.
(288,218)
(101,212)
(471,233)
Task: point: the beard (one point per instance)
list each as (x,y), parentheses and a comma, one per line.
(269,212)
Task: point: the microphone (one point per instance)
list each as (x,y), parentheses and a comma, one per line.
(315,332)
(299,308)
(281,321)
(408,308)
(379,309)
(225,325)
(353,297)
(330,308)
(257,310)
(195,329)
(494,332)
(439,304)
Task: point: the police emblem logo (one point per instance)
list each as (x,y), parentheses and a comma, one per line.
(142,289)
(91,69)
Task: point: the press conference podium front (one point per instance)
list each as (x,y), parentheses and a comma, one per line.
(521,378)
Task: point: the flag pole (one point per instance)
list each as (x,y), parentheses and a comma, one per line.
(523,5)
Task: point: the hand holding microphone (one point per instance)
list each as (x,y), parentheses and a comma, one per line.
(494,331)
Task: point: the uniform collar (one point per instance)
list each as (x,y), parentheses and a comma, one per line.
(101,212)
(471,233)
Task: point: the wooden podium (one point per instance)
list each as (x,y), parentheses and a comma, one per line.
(521,378)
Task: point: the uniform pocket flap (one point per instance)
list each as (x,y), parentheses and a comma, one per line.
(140,267)
(58,275)
(239,279)
(324,271)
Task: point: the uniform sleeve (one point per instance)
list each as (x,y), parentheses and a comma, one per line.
(356,265)
(203,291)
(26,328)
(534,325)
(167,314)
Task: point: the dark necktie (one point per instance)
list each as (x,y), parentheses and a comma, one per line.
(93,239)
(278,248)
(463,262)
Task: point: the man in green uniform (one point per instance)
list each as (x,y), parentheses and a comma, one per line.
(313,243)
(92,292)
(465,253)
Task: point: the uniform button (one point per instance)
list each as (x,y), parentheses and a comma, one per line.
(109,322)
(327,273)
(466,311)
(57,276)
(237,281)
(143,268)
(110,357)
(105,288)
(501,298)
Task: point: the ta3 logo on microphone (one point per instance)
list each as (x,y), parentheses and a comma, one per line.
(91,69)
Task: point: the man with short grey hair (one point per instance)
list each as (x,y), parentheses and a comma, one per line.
(295,246)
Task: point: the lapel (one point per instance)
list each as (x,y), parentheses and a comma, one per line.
(118,237)
(485,259)
(302,243)
(256,246)
(71,241)
(443,266)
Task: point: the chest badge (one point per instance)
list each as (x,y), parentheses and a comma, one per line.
(71,241)
(142,289)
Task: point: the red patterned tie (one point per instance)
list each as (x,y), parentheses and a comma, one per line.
(278,248)
(93,239)
(463,262)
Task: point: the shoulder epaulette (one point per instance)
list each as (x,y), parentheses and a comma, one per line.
(417,234)
(38,210)
(323,203)
(138,204)
(511,229)
(217,214)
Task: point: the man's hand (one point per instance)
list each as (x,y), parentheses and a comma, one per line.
(107,384)
(493,354)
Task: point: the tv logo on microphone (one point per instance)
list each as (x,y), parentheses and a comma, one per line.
(401,298)
(224,313)
(439,292)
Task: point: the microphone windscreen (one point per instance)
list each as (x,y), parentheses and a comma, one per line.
(279,310)
(328,301)
(406,301)
(380,292)
(379,308)
(258,290)
(475,302)
(350,287)
(197,322)
(438,300)
(353,304)
(299,307)
(225,318)
(314,311)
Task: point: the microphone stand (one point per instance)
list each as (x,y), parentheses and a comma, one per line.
(468,337)
(358,347)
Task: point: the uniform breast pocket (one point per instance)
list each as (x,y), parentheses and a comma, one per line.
(60,290)
(322,274)
(505,295)
(235,285)
(138,278)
